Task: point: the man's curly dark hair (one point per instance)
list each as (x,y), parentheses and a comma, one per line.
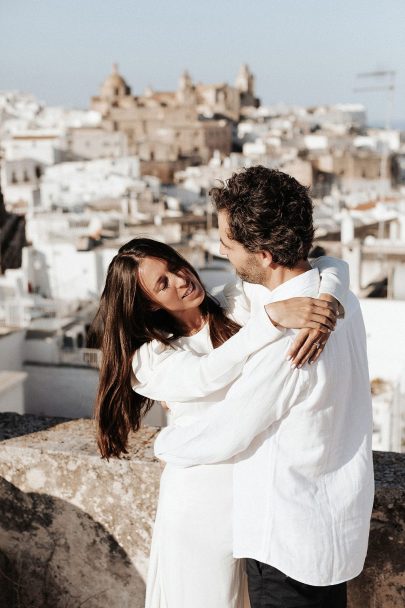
(268,210)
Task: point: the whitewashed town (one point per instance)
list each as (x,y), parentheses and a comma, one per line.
(77,184)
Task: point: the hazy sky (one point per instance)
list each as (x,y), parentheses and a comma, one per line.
(301,51)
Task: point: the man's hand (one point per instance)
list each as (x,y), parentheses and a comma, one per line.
(310,343)
(297,313)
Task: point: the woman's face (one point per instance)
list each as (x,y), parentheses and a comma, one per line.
(174,291)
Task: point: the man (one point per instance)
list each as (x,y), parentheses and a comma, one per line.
(301,437)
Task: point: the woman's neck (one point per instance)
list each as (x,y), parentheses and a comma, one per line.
(192,320)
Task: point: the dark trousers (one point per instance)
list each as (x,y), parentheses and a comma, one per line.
(270,588)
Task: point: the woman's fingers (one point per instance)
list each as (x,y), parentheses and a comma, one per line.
(298,343)
(315,310)
(328,313)
(308,352)
(322,320)
(301,312)
(318,326)
(303,353)
(307,346)
(315,356)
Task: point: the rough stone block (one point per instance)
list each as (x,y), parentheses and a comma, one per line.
(382,582)
(76,528)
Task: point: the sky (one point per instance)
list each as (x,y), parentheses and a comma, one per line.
(302,52)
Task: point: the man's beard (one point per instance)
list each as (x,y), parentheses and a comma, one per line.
(251,273)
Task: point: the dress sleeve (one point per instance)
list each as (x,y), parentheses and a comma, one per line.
(267,389)
(236,301)
(335,279)
(171,374)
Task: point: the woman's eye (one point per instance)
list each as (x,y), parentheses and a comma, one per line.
(164,285)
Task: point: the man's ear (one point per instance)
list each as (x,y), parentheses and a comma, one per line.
(266,258)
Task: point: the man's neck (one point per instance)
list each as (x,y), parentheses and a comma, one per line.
(280,274)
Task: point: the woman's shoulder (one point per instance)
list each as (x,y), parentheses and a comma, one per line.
(218,293)
(234,300)
(148,355)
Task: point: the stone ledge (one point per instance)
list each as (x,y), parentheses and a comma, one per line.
(76,437)
(14,425)
(79,528)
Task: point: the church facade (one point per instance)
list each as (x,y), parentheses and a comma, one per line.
(170,130)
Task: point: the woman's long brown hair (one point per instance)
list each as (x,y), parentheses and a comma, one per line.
(125,320)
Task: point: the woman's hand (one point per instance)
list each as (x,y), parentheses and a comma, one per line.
(307,346)
(317,318)
(298,313)
(309,343)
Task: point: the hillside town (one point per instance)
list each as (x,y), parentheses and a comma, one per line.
(77,184)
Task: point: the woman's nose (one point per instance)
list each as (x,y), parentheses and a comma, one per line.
(180,281)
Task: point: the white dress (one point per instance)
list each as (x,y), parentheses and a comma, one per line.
(191,563)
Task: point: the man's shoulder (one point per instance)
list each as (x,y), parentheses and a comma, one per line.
(254,290)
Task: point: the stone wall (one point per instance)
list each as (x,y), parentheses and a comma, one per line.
(382,583)
(76,529)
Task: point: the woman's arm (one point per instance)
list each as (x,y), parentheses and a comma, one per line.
(335,279)
(169,374)
(335,283)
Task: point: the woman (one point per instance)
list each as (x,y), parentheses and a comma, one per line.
(154,313)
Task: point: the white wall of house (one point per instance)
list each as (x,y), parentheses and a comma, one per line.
(54,390)
(69,392)
(385,329)
(12,391)
(42,146)
(60,271)
(11,350)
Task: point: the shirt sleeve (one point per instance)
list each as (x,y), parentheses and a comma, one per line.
(168,374)
(335,279)
(263,394)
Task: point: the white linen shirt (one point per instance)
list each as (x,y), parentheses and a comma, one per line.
(303,476)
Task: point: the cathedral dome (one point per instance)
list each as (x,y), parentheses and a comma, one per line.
(114,85)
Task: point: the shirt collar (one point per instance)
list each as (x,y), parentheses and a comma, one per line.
(305,284)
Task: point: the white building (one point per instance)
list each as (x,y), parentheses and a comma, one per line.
(26,154)
(43,145)
(385,328)
(89,143)
(73,184)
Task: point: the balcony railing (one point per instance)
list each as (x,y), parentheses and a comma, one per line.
(89,357)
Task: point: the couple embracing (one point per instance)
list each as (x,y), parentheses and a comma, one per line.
(266,497)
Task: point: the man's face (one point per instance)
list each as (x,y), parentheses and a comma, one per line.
(248,265)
